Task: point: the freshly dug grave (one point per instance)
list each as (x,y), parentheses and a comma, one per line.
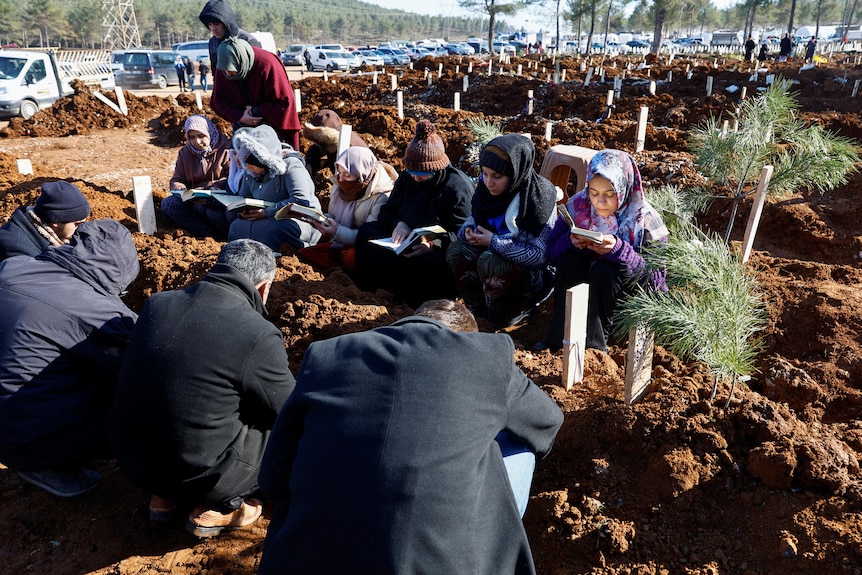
(673,484)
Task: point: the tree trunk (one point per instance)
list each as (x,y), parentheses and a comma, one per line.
(792,15)
(659,24)
(491,17)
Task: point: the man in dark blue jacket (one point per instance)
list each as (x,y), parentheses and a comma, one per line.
(201,384)
(63,331)
(59,210)
(386,460)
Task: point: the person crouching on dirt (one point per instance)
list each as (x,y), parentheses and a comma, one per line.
(613,203)
(63,332)
(360,186)
(431,192)
(498,259)
(201,384)
(323,132)
(204,162)
(273,172)
(408,448)
(51,221)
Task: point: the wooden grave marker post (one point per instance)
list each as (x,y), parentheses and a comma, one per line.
(344,134)
(145,210)
(638,363)
(25,166)
(575,335)
(641,133)
(756,211)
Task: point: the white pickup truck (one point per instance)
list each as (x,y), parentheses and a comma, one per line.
(31,80)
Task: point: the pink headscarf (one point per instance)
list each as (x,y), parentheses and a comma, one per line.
(359,162)
(204,125)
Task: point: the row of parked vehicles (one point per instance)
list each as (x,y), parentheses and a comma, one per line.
(332,57)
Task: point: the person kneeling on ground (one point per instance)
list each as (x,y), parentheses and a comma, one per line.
(499,258)
(391,450)
(274,173)
(613,203)
(431,192)
(360,186)
(204,162)
(63,331)
(59,210)
(323,132)
(195,405)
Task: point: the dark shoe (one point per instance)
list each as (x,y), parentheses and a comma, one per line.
(163,510)
(205,522)
(63,483)
(542,346)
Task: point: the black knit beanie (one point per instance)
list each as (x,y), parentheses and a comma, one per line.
(61,203)
(426,152)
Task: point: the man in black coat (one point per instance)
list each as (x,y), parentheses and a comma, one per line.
(201,384)
(387,457)
(51,221)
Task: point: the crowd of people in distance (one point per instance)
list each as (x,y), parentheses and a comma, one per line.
(433,421)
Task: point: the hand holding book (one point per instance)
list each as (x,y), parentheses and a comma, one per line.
(593,236)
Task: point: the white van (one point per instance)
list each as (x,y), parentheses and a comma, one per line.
(331,60)
(196,50)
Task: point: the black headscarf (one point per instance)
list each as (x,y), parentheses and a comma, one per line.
(538,195)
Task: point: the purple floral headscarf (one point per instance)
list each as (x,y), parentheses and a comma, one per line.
(628,221)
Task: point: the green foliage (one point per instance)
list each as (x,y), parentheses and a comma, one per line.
(483,130)
(770,134)
(712,312)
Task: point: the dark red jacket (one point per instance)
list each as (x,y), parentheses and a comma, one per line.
(267,88)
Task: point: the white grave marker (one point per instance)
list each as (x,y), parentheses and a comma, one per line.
(145,210)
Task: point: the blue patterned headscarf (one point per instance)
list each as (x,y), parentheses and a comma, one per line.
(634,214)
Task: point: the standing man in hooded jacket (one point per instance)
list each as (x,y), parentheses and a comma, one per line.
(63,332)
(219,18)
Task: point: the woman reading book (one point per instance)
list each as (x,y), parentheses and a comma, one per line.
(275,173)
(202,163)
(613,203)
(499,258)
(360,186)
(431,192)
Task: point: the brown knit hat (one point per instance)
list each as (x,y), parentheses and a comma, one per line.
(426,152)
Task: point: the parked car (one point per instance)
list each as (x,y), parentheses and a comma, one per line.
(331,60)
(459,49)
(398,57)
(504,48)
(148,67)
(638,44)
(292,55)
(420,52)
(195,51)
(117,61)
(369,58)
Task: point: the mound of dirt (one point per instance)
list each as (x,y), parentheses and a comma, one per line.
(673,484)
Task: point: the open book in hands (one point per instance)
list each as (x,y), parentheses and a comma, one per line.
(194,193)
(415,237)
(233,203)
(300,212)
(594,236)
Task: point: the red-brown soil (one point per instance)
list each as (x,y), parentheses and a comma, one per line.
(671,485)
